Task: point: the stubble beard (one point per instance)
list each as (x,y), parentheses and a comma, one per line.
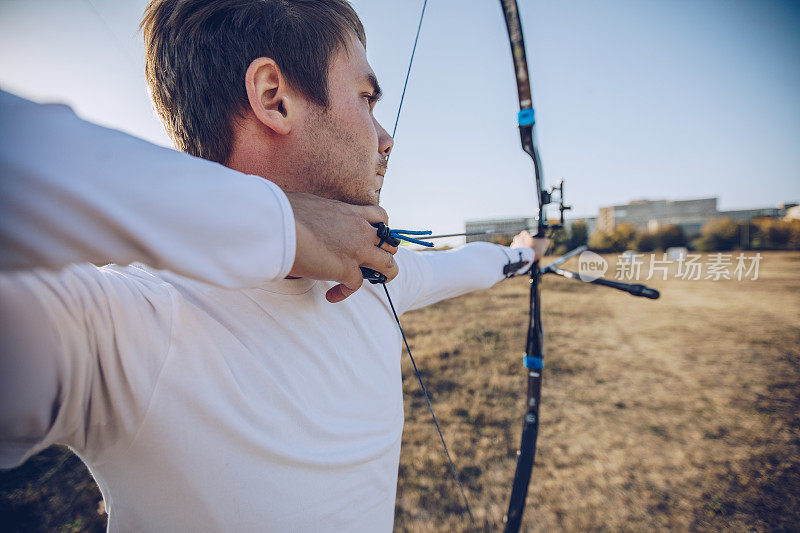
(334,168)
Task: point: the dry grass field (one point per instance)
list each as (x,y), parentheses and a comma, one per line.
(677,414)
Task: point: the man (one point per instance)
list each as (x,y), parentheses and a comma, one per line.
(268,409)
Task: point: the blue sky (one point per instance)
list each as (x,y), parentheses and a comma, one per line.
(635,98)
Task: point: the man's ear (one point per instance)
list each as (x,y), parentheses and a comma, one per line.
(269,95)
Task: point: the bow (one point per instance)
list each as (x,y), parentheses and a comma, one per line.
(534,352)
(534,349)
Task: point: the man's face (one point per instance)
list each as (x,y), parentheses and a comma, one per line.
(345,149)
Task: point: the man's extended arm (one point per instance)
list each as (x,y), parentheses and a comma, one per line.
(429,277)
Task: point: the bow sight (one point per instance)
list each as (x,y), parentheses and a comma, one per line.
(547,198)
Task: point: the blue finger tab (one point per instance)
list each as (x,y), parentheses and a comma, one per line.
(413,240)
(534,363)
(403,235)
(412,232)
(526,117)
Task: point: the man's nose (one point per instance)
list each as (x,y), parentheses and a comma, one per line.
(385,141)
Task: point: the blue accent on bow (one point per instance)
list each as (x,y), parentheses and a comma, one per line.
(534,363)
(526,117)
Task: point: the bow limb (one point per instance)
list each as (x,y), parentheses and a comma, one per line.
(534,352)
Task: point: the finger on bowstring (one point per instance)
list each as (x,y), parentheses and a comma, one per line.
(386,247)
(382,262)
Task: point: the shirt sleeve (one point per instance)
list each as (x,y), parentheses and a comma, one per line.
(82,351)
(429,277)
(72,191)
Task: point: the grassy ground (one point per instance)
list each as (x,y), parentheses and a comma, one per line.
(681,413)
(53,491)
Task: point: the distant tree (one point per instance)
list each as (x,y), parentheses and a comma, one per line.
(670,236)
(772,233)
(718,235)
(794,239)
(646,242)
(578,234)
(600,241)
(560,240)
(624,236)
(569,239)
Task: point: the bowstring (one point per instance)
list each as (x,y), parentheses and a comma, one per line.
(430,408)
(408,72)
(121,47)
(391,304)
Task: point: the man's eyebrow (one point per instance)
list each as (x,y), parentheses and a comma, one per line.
(376,87)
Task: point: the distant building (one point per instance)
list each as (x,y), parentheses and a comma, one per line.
(644,215)
(504,228)
(507,228)
(689,215)
(650,215)
(748,214)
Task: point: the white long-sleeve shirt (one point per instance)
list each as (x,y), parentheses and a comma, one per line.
(73,191)
(199,408)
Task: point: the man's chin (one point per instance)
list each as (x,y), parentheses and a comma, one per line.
(366,198)
(373,199)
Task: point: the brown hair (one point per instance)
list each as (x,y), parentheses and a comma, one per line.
(197,53)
